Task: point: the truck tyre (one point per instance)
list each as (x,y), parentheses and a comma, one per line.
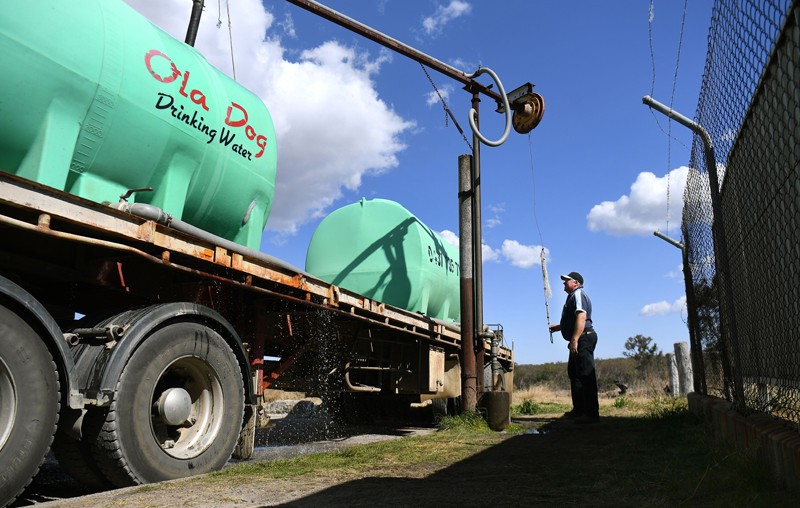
(177,410)
(454,406)
(29,403)
(438,409)
(75,458)
(247,438)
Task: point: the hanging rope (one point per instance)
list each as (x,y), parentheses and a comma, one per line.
(653,65)
(230,37)
(446,108)
(668,132)
(548,293)
(671,100)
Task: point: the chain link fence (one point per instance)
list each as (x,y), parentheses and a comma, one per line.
(743,265)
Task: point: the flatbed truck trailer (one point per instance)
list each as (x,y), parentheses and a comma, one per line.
(141,352)
(139,324)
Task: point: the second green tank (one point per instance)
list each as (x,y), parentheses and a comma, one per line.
(379,249)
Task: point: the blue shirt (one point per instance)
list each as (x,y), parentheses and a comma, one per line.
(577,301)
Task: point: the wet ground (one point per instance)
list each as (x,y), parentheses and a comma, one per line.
(303,429)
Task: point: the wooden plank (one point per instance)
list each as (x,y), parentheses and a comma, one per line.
(96,221)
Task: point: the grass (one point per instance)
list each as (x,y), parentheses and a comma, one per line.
(459,438)
(646,451)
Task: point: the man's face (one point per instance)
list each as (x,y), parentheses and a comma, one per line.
(570,285)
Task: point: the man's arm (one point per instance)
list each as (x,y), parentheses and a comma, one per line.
(580,325)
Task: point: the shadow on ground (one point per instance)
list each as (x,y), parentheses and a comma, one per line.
(303,429)
(518,471)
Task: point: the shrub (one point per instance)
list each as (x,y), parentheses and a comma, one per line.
(471,421)
(664,407)
(528,407)
(622,402)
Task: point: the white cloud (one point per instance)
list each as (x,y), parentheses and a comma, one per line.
(460,63)
(288,26)
(523,256)
(449,237)
(445,14)
(495,219)
(487,253)
(677,274)
(728,136)
(645,209)
(663,307)
(432,98)
(698,196)
(330,85)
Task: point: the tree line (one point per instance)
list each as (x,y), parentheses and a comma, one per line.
(643,362)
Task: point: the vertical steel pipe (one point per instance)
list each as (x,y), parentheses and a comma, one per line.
(477,244)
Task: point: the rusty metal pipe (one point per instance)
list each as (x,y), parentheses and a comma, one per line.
(357,388)
(395,45)
(477,247)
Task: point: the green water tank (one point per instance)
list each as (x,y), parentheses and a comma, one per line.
(96,100)
(379,249)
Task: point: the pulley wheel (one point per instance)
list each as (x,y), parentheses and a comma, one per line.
(528,114)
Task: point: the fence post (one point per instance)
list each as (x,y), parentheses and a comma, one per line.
(672,368)
(684,367)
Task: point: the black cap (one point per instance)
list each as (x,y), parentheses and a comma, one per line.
(573,276)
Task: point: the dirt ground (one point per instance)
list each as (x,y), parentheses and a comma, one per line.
(514,464)
(619,461)
(300,428)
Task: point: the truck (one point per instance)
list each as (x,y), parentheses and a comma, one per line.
(139,324)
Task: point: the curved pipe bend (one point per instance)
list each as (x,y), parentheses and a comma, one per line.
(472,113)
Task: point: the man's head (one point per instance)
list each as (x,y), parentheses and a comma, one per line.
(572,281)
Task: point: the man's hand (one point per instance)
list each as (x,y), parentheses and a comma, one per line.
(573,346)
(554,328)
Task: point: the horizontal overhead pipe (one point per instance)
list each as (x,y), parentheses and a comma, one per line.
(395,45)
(669,240)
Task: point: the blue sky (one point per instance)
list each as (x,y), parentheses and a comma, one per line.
(354,120)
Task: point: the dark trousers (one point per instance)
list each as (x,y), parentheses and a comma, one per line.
(582,376)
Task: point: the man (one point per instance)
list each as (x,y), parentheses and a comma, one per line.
(577,328)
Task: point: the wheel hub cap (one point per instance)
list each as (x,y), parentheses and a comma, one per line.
(175,406)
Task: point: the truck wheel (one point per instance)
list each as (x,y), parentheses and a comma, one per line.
(246,444)
(75,458)
(177,410)
(438,409)
(454,406)
(29,404)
